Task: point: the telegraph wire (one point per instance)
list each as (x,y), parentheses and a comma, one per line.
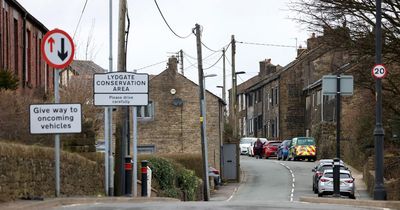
(182,37)
(80,18)
(208,47)
(151,65)
(214,63)
(264,44)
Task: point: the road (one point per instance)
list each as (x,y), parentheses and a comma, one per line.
(267,184)
(272,180)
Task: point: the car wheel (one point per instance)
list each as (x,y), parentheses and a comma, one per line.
(319,194)
(352,196)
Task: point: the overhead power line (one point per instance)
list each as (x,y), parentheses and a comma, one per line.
(80,18)
(264,44)
(182,37)
(151,65)
(214,63)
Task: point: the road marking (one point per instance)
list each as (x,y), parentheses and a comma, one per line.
(293,181)
(232,194)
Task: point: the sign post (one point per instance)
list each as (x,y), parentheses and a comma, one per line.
(58,51)
(337,85)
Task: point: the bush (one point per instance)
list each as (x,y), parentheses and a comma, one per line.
(8,80)
(172,179)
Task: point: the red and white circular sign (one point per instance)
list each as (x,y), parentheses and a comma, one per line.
(379,71)
(58,48)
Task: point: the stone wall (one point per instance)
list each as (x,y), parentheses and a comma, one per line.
(28,171)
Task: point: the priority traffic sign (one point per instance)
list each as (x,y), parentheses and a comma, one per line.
(58,48)
(379,71)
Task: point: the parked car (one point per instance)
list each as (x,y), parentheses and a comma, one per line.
(347,187)
(213,172)
(270,148)
(302,148)
(100,146)
(245,142)
(319,170)
(283,150)
(250,149)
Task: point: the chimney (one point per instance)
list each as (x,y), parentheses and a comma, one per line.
(264,70)
(173,64)
(312,42)
(300,50)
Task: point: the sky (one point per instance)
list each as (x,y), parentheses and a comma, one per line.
(152,42)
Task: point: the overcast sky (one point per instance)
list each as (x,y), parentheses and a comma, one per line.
(150,40)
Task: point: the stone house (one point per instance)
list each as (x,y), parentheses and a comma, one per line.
(81,68)
(21,35)
(170,123)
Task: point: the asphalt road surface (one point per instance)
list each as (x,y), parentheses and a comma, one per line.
(267,184)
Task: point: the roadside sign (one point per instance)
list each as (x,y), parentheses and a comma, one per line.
(379,71)
(58,48)
(121,89)
(55,118)
(329,83)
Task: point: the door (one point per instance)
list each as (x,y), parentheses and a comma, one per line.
(230,162)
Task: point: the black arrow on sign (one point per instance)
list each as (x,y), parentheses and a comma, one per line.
(62,55)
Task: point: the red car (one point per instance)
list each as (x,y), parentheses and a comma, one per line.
(270,148)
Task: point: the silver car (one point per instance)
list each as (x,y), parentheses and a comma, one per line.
(347,187)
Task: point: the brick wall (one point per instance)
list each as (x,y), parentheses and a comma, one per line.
(176,129)
(37,74)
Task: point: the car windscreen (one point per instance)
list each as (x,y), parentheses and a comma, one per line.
(286,143)
(306,142)
(246,140)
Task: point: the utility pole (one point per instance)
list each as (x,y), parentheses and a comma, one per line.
(379,132)
(204,148)
(181,58)
(233,105)
(121,137)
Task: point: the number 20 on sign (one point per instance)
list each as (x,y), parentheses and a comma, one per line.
(379,71)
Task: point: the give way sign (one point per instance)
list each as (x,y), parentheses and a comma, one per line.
(58,48)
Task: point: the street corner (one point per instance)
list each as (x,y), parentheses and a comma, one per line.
(225,192)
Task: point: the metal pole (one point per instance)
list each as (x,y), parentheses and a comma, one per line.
(134,149)
(233,106)
(379,133)
(223,76)
(202,114)
(336,166)
(109,111)
(57,136)
(107,151)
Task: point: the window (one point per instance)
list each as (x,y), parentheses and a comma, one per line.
(244,102)
(250,99)
(240,102)
(16,62)
(272,97)
(260,122)
(145,112)
(318,97)
(146,149)
(276,95)
(29,57)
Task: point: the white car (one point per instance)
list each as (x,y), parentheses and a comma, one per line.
(245,142)
(250,149)
(347,187)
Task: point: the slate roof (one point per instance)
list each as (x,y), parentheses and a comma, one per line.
(84,67)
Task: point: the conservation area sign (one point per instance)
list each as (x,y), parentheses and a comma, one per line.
(121,89)
(55,118)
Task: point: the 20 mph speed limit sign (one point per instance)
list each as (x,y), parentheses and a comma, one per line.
(379,71)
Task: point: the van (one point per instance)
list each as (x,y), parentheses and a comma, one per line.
(302,148)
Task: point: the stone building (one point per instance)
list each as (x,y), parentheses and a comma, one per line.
(21,35)
(80,68)
(284,102)
(170,123)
